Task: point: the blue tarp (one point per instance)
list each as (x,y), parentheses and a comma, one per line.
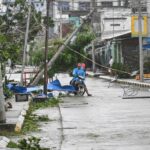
(147,46)
(56,86)
(21,89)
(36,88)
(53,86)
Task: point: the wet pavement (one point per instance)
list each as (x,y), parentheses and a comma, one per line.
(104,121)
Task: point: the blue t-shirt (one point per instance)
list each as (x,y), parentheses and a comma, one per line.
(81,73)
(78,72)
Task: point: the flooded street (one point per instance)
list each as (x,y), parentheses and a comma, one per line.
(104,121)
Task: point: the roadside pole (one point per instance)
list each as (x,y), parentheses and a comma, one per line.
(2,101)
(93,42)
(26,42)
(61,35)
(46,47)
(140,40)
(93,56)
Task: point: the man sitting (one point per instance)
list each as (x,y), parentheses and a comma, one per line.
(83,73)
(79,72)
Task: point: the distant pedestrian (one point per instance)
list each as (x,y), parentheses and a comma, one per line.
(111,61)
(12,65)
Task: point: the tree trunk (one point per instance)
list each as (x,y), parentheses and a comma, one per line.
(2,101)
(60,50)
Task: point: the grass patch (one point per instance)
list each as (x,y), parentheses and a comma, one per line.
(12,144)
(31,121)
(39,105)
(32,143)
(8,133)
(43,118)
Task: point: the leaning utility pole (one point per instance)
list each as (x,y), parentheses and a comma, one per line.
(46,47)
(60,50)
(140,40)
(26,42)
(2,101)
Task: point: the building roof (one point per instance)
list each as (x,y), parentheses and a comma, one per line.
(111,36)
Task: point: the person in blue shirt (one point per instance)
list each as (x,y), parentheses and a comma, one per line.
(79,72)
(75,74)
(83,74)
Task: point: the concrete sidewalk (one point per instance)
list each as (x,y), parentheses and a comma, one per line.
(124,81)
(14,119)
(16,114)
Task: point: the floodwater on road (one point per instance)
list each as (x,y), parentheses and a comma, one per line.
(104,121)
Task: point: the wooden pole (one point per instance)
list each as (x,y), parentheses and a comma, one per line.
(2,101)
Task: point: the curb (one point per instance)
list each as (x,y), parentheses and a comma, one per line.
(21,117)
(4,142)
(146,85)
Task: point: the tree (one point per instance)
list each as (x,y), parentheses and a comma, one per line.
(12,29)
(2,101)
(69,58)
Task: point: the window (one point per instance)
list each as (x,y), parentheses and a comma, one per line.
(115,25)
(84,6)
(143,9)
(106,4)
(122,18)
(63,5)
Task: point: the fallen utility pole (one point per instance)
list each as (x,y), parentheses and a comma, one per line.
(2,101)
(60,50)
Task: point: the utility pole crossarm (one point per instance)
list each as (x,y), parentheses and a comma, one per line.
(60,50)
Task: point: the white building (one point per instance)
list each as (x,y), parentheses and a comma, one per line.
(66,11)
(115,17)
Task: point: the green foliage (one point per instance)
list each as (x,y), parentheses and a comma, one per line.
(50,22)
(7,92)
(32,143)
(68,59)
(13,27)
(43,118)
(9,133)
(147,67)
(12,144)
(120,67)
(31,121)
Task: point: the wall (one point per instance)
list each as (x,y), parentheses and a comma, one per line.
(115,21)
(130,52)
